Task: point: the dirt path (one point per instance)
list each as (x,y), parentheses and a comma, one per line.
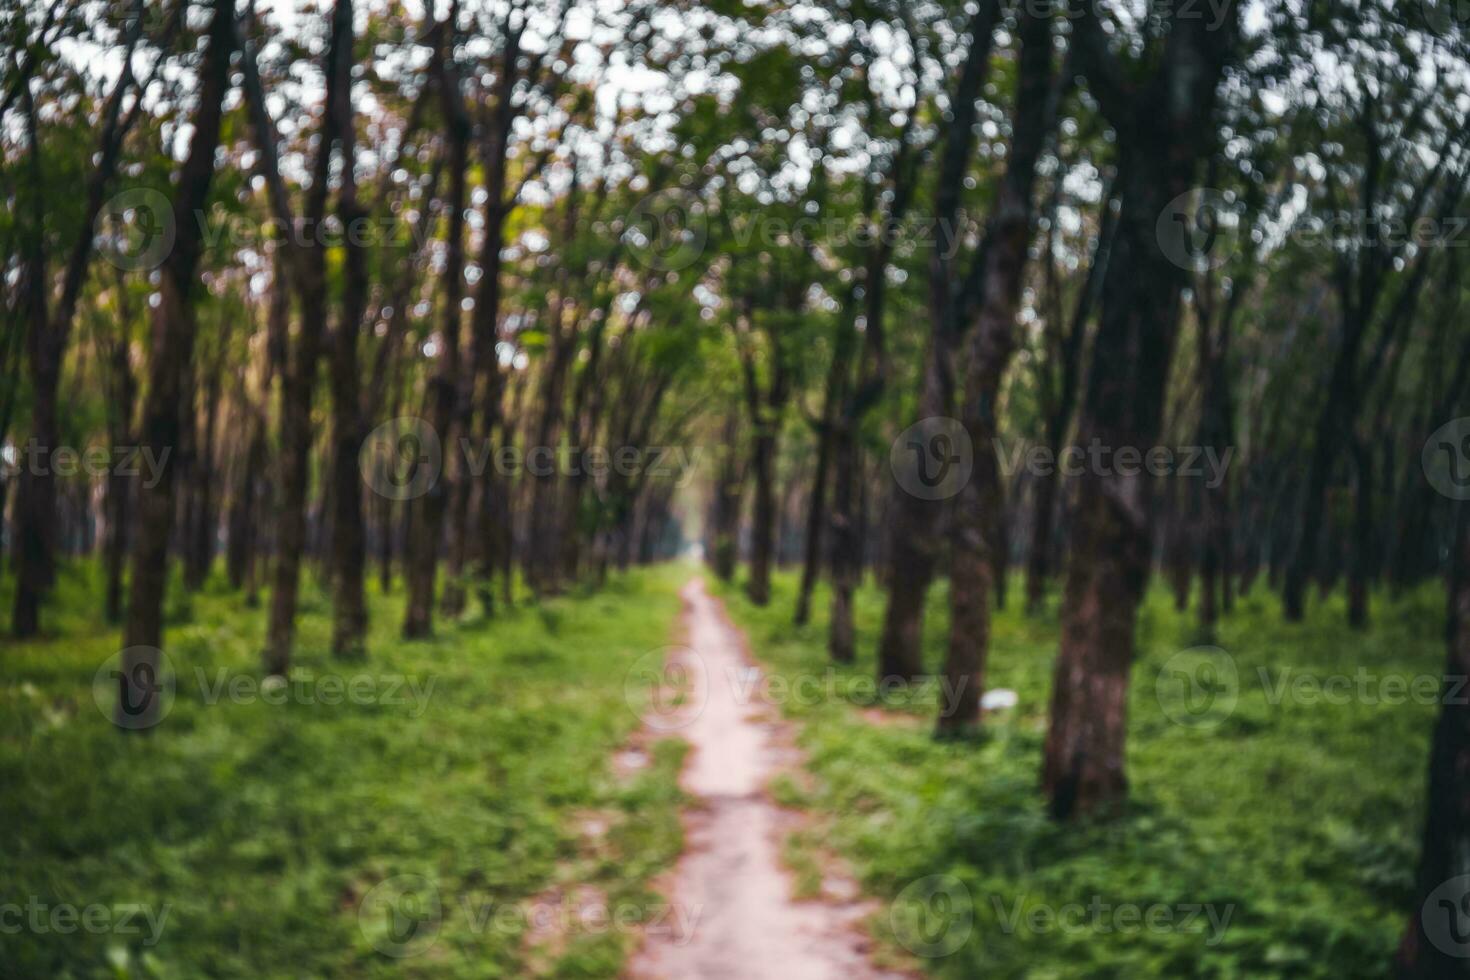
(730,881)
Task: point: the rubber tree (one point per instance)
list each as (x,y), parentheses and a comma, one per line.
(443,394)
(1162,115)
(305,268)
(49,318)
(992,341)
(913,543)
(174,326)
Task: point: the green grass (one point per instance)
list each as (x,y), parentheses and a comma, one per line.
(1300,820)
(260,827)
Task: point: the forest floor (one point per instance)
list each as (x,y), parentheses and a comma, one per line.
(1275,808)
(510,798)
(474,805)
(731,879)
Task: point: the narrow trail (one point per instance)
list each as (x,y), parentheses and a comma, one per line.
(730,880)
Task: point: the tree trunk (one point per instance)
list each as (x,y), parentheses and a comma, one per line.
(304,271)
(295,462)
(1437,937)
(35,503)
(119,486)
(1040,559)
(913,550)
(243,537)
(495,548)
(914,519)
(173,346)
(1324,451)
(729,487)
(978,557)
(1214,433)
(543,561)
(46,333)
(116,508)
(424,544)
(1360,567)
(1038,565)
(200,550)
(349,424)
(1161,125)
(816,517)
(847,546)
(763,514)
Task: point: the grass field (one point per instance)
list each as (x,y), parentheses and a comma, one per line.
(1272,829)
(1274,839)
(243,836)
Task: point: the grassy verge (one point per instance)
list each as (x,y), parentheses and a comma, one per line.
(1284,829)
(244,835)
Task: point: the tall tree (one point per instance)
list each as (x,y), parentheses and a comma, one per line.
(349,416)
(174,327)
(1379,180)
(1435,951)
(1000,269)
(913,543)
(1064,337)
(1162,115)
(424,544)
(49,322)
(306,270)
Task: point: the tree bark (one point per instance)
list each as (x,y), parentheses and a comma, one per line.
(913,538)
(978,557)
(349,416)
(47,333)
(859,396)
(816,517)
(766,408)
(1068,352)
(543,559)
(119,485)
(199,549)
(173,346)
(306,268)
(847,546)
(1360,563)
(729,487)
(494,527)
(763,514)
(1433,945)
(1215,432)
(424,544)
(1161,123)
